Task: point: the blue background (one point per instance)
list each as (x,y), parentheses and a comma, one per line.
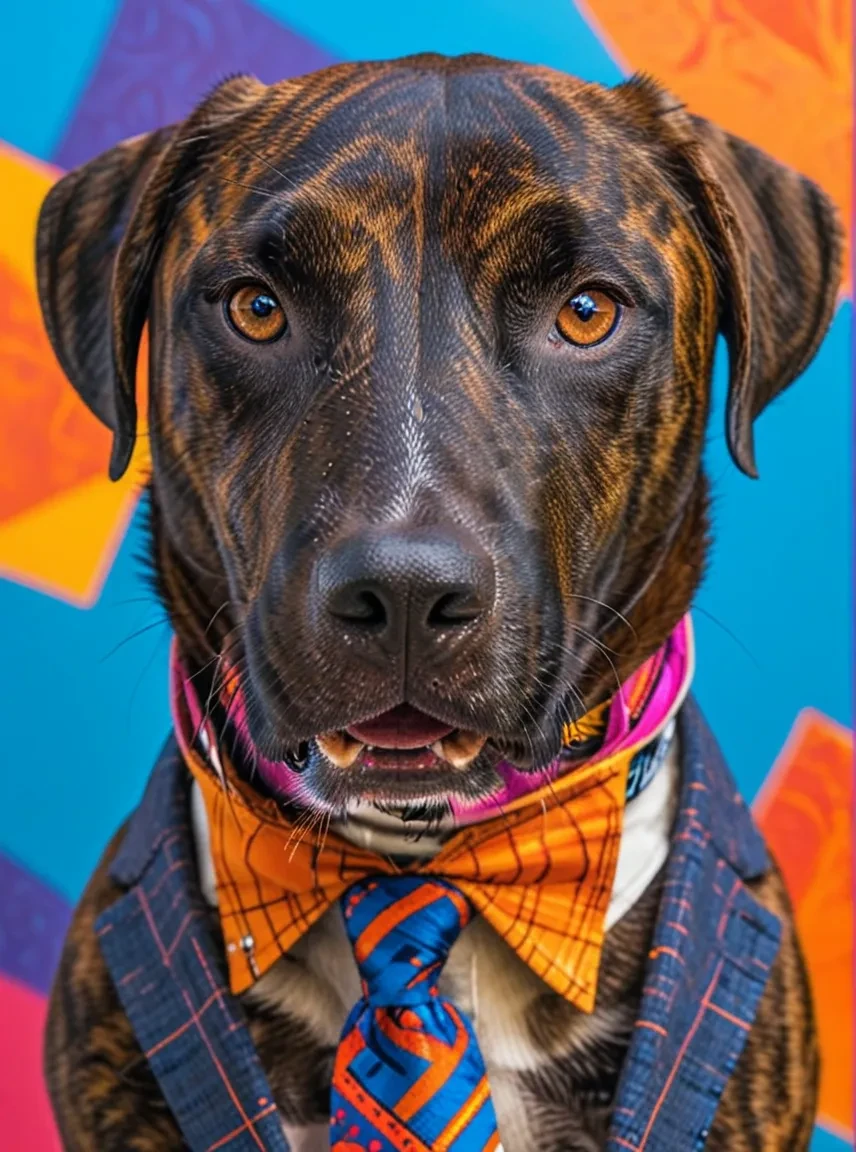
(773,619)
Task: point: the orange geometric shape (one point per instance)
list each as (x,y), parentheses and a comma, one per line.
(61,520)
(25,182)
(49,440)
(805,811)
(64,546)
(776,72)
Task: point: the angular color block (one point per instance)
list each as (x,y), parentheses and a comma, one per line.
(64,546)
(26,1121)
(777,72)
(49,441)
(61,519)
(24,181)
(551,32)
(33,922)
(47,52)
(85,712)
(805,810)
(781,543)
(162,57)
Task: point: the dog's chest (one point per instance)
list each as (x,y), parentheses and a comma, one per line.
(552,1069)
(540,1052)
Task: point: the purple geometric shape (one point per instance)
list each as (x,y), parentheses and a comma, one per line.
(33,922)
(163,56)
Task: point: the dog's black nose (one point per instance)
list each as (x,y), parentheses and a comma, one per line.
(408,587)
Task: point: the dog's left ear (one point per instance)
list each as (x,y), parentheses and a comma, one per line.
(776,244)
(100,234)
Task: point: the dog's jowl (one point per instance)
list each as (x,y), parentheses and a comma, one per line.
(441,853)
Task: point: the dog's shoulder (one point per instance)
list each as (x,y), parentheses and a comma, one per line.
(102,1089)
(771,1099)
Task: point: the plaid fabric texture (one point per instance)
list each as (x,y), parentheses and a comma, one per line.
(541,875)
(171,979)
(539,867)
(709,964)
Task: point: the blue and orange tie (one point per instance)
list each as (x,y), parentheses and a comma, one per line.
(409,1076)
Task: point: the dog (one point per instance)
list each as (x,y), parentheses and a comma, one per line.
(430,351)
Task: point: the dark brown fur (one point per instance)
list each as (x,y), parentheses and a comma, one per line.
(423,221)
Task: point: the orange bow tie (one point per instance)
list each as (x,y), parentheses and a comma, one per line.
(541,875)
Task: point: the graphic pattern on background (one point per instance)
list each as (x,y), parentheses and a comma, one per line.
(85,709)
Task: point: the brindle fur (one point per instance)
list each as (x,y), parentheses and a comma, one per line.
(422,222)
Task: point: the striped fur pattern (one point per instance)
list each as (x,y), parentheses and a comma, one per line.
(422,223)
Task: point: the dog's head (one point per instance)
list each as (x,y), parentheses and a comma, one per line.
(430,355)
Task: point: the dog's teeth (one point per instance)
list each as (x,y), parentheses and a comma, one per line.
(460,747)
(340,748)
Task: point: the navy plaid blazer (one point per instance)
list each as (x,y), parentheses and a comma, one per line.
(710,960)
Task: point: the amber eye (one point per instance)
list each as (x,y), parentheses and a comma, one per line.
(587,318)
(256,313)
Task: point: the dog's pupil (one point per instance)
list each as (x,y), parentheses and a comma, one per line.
(263,306)
(584,306)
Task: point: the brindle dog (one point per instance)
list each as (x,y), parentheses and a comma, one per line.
(430,355)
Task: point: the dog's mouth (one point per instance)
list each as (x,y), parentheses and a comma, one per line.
(402,759)
(402,739)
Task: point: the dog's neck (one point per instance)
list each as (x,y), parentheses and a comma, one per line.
(644,846)
(639,729)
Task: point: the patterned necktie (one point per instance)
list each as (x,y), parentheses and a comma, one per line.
(409,1076)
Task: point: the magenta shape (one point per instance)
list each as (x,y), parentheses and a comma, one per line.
(163,56)
(25,1114)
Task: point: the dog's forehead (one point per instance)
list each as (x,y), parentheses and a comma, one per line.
(472,134)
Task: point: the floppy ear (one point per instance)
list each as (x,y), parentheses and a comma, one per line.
(81,225)
(100,233)
(776,243)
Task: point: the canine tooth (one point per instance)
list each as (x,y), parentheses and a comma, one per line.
(340,748)
(460,747)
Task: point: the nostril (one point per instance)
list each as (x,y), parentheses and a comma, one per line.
(454,609)
(373,612)
(361,607)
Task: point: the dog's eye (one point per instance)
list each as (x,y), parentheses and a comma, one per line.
(256,314)
(587,318)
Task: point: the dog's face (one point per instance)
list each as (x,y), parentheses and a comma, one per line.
(430,355)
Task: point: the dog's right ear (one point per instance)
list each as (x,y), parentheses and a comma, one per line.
(82,222)
(100,234)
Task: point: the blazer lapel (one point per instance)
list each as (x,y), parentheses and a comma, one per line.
(158,945)
(710,960)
